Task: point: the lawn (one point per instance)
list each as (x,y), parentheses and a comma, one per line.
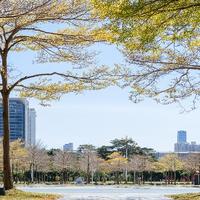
(20,195)
(195,196)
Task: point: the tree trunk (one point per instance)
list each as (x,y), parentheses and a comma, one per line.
(117,174)
(175,177)
(32,172)
(92,176)
(151,176)
(142,177)
(7,175)
(7,179)
(134,176)
(88,169)
(63,177)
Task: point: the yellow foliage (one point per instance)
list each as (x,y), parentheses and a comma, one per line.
(170,162)
(116,161)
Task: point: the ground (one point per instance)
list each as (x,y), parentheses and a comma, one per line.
(20,195)
(195,196)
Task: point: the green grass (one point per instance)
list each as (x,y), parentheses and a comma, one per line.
(20,195)
(195,196)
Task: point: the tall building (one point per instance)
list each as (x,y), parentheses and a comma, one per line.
(182,146)
(19,116)
(32,127)
(181,136)
(68,147)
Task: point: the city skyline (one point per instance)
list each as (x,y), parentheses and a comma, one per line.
(106,114)
(181,140)
(160,137)
(183,133)
(106,106)
(182,144)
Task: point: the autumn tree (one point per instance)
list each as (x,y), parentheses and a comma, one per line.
(43,166)
(88,160)
(170,164)
(103,167)
(58,31)
(18,157)
(36,158)
(139,164)
(118,163)
(191,163)
(63,161)
(126,146)
(160,40)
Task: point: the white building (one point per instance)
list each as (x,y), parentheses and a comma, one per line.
(31,134)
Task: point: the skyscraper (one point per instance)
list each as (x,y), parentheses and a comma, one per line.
(20,122)
(182,136)
(18,112)
(181,145)
(32,127)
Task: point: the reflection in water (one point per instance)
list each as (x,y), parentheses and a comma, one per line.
(111,192)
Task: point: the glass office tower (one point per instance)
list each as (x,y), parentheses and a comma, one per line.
(181,145)
(18,114)
(181,136)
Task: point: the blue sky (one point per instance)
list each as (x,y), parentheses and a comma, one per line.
(96,117)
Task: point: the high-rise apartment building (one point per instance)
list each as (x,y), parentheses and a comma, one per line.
(20,123)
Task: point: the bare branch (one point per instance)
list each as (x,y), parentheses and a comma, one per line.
(88,79)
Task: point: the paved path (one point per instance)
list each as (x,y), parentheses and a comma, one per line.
(112,197)
(111,192)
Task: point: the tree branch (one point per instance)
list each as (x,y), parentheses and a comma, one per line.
(88,79)
(189,66)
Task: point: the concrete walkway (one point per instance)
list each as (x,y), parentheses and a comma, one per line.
(71,192)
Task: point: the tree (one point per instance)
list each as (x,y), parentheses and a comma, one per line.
(170,164)
(104,151)
(63,161)
(59,31)
(161,40)
(89,160)
(192,163)
(103,167)
(126,146)
(36,158)
(117,164)
(42,166)
(139,163)
(18,156)
(86,147)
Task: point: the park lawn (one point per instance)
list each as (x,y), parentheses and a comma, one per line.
(194,196)
(20,195)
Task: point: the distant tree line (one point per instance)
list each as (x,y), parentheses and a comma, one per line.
(123,161)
